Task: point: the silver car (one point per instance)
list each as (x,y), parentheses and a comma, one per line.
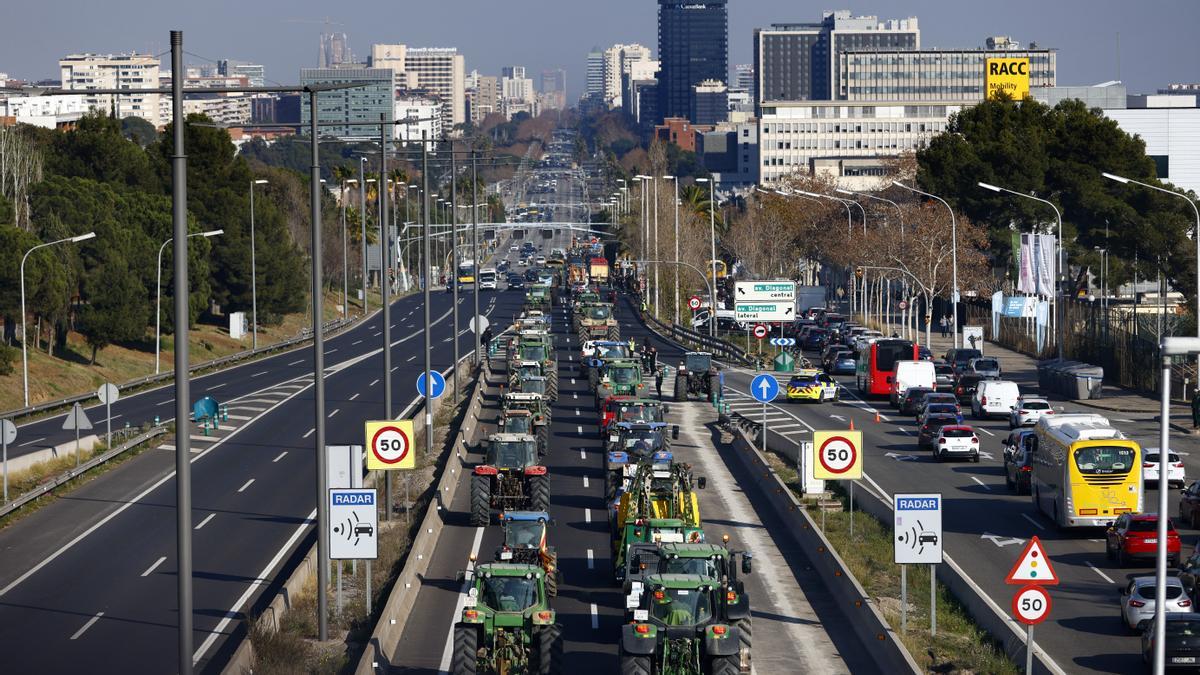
(986,366)
(1137,600)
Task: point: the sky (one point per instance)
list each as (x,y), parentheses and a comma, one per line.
(1157,38)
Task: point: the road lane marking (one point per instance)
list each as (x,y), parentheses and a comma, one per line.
(585,481)
(210,517)
(458,606)
(260,374)
(412,358)
(373,383)
(151,568)
(577,413)
(281,456)
(595,617)
(216,386)
(1097,571)
(243,488)
(330,351)
(395,368)
(310,432)
(296,363)
(579,429)
(591,560)
(985,431)
(377,334)
(575,395)
(572,380)
(582,453)
(93,620)
(981,482)
(356,342)
(354,397)
(1036,524)
(335,411)
(587,515)
(36,440)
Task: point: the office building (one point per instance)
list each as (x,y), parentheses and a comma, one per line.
(710,103)
(335,50)
(638,75)
(851,142)
(693,46)
(595,74)
(730,153)
(440,71)
(254,73)
(798,61)
(932,75)
(681,132)
(554,79)
(423,118)
(359,104)
(617,60)
(513,72)
(115,71)
(743,78)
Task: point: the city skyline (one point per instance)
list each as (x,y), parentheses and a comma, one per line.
(1085,33)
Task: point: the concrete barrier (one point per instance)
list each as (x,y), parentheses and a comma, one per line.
(86,443)
(882,643)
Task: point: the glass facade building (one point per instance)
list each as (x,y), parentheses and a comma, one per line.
(693,46)
(360,104)
(943,75)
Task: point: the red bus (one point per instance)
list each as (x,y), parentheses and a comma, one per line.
(877,365)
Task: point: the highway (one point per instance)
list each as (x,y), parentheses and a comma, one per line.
(986,525)
(91,577)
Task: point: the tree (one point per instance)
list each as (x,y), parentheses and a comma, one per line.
(116,309)
(139,131)
(20,167)
(96,149)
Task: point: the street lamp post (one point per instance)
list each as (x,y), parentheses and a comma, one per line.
(712,230)
(1060,321)
(345,252)
(24,351)
(953,253)
(362,222)
(655,180)
(158,302)
(253,279)
(676,179)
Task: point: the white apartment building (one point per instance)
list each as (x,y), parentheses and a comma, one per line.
(852,141)
(441,71)
(618,59)
(42,111)
(427,112)
(115,71)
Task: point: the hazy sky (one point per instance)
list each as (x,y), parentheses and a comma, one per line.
(1158,38)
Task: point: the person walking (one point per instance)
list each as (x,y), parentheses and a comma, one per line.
(943,323)
(485,341)
(658,378)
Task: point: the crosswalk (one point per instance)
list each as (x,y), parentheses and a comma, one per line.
(779,420)
(242,411)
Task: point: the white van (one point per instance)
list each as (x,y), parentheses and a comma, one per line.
(994,397)
(911,374)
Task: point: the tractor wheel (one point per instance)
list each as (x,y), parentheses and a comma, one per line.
(632,664)
(744,635)
(681,388)
(481,500)
(614,333)
(725,665)
(543,440)
(466,650)
(539,493)
(552,577)
(548,643)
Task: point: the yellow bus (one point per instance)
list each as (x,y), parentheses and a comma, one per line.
(1085,472)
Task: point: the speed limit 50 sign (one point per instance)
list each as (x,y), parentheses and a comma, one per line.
(838,455)
(390,445)
(1031,605)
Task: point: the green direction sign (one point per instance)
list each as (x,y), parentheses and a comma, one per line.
(765,291)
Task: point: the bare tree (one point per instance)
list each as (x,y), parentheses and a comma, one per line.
(20,167)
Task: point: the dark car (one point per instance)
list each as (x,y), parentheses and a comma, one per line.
(1189,505)
(931,398)
(944,374)
(965,386)
(929,430)
(959,358)
(846,363)
(531,275)
(1017,465)
(937,409)
(816,339)
(911,399)
(1182,641)
(515,282)
(924,354)
(830,356)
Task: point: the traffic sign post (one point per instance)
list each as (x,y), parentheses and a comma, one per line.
(783,342)
(764,388)
(1030,605)
(76,420)
(917,540)
(760,331)
(1033,567)
(353,524)
(390,445)
(108,395)
(694,303)
(8,434)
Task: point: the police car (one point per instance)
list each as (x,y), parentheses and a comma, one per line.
(812,385)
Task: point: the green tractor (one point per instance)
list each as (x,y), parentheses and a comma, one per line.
(538,297)
(507,626)
(525,542)
(618,377)
(537,346)
(510,477)
(696,376)
(682,626)
(536,384)
(539,412)
(595,321)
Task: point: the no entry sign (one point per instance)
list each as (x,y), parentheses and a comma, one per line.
(760,331)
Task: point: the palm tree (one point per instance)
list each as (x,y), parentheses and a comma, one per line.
(697,199)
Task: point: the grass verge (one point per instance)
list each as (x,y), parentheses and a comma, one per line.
(960,646)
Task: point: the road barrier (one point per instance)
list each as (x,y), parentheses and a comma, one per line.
(685,336)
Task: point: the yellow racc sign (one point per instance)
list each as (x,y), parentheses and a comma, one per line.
(1009,76)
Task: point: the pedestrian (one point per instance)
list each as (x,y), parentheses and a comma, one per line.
(658,378)
(944,325)
(1196,410)
(485,341)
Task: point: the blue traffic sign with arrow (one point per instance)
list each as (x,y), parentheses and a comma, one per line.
(783,342)
(439,383)
(764,388)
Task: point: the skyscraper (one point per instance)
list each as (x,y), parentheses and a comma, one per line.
(595,74)
(693,46)
(335,50)
(617,60)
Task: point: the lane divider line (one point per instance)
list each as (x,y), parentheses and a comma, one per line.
(93,620)
(243,488)
(281,456)
(206,519)
(151,568)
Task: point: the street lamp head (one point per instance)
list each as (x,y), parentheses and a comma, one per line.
(213,233)
(83,237)
(372,180)
(899,184)
(701,180)
(260,182)
(668,177)
(988,186)
(351,180)
(1115,177)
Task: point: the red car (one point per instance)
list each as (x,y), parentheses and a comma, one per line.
(1135,536)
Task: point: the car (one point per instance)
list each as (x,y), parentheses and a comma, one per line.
(1137,600)
(924,354)
(911,399)
(959,358)
(965,386)
(948,409)
(931,398)
(844,364)
(1189,505)
(927,435)
(513,248)
(1151,468)
(515,282)
(984,365)
(1135,537)
(541,260)
(1017,458)
(956,440)
(1028,411)
(943,375)
(909,374)
(830,354)
(994,397)
(1182,648)
(816,339)
(812,385)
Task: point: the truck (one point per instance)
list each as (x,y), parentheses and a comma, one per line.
(487,279)
(598,270)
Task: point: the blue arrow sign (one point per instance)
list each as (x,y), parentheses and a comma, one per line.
(439,383)
(764,388)
(783,342)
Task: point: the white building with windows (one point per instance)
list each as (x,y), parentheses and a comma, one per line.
(426,112)
(80,72)
(49,112)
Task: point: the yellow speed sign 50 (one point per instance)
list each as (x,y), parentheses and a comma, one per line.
(390,445)
(838,455)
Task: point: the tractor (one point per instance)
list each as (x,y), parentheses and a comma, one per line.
(595,353)
(509,478)
(506,626)
(536,384)
(629,409)
(682,626)
(525,543)
(697,376)
(658,504)
(538,297)
(619,377)
(535,405)
(595,321)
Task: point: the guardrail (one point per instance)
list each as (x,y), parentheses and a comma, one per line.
(304,336)
(78,471)
(717,346)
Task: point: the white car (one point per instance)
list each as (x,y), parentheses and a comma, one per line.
(1151,468)
(541,260)
(956,440)
(1137,600)
(513,248)
(1028,411)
